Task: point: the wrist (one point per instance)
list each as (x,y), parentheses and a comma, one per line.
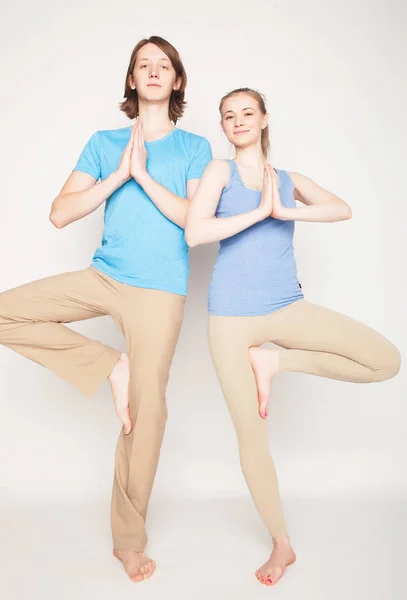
(261,214)
(285,214)
(118,178)
(141,177)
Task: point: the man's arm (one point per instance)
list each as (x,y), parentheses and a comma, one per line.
(174,207)
(81,195)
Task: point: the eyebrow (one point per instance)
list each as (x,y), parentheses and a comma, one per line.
(163,58)
(247,108)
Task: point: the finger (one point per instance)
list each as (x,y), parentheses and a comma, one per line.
(273,174)
(140,135)
(131,140)
(275,180)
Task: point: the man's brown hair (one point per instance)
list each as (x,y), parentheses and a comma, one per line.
(130,105)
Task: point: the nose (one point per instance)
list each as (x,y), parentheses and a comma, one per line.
(153,72)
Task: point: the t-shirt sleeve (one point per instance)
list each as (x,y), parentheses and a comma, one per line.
(89,159)
(200,159)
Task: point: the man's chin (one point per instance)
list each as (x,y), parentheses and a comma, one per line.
(156,94)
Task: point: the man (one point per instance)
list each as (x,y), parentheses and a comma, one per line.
(146,174)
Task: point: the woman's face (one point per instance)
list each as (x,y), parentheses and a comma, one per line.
(242,120)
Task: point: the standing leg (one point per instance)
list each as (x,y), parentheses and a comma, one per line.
(151,321)
(229,339)
(31,318)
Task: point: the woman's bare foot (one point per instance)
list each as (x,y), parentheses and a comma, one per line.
(282,556)
(119,380)
(137,565)
(265,364)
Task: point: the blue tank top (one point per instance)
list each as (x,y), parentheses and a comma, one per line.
(255,271)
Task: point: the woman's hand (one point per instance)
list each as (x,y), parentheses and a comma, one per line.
(138,159)
(266,200)
(278,209)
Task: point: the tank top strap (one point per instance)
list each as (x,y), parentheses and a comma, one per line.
(233,174)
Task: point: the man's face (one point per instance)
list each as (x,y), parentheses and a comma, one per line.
(153,76)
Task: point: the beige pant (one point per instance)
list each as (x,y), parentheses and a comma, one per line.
(313,340)
(31,318)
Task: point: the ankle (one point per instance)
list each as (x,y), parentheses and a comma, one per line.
(282,541)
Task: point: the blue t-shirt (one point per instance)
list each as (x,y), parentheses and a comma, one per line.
(140,246)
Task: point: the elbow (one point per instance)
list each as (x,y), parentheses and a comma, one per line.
(348,213)
(191,238)
(56,220)
(343,211)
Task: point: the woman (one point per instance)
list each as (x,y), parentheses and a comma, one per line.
(255,297)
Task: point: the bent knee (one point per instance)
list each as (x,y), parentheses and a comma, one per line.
(390,365)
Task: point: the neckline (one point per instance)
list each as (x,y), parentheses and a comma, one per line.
(161,139)
(243,183)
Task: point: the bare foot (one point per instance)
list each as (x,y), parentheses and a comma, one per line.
(119,380)
(282,556)
(137,565)
(265,364)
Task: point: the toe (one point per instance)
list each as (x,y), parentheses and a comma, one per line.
(275,574)
(147,569)
(148,573)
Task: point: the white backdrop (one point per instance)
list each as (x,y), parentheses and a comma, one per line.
(334,77)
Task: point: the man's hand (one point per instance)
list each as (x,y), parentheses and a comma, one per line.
(138,159)
(123,170)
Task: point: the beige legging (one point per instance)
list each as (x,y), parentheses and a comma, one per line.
(313,340)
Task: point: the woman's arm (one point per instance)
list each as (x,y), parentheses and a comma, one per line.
(202,227)
(321,206)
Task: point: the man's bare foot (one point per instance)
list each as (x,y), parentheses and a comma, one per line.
(282,556)
(265,365)
(119,380)
(137,565)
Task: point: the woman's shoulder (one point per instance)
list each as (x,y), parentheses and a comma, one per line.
(216,174)
(219,167)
